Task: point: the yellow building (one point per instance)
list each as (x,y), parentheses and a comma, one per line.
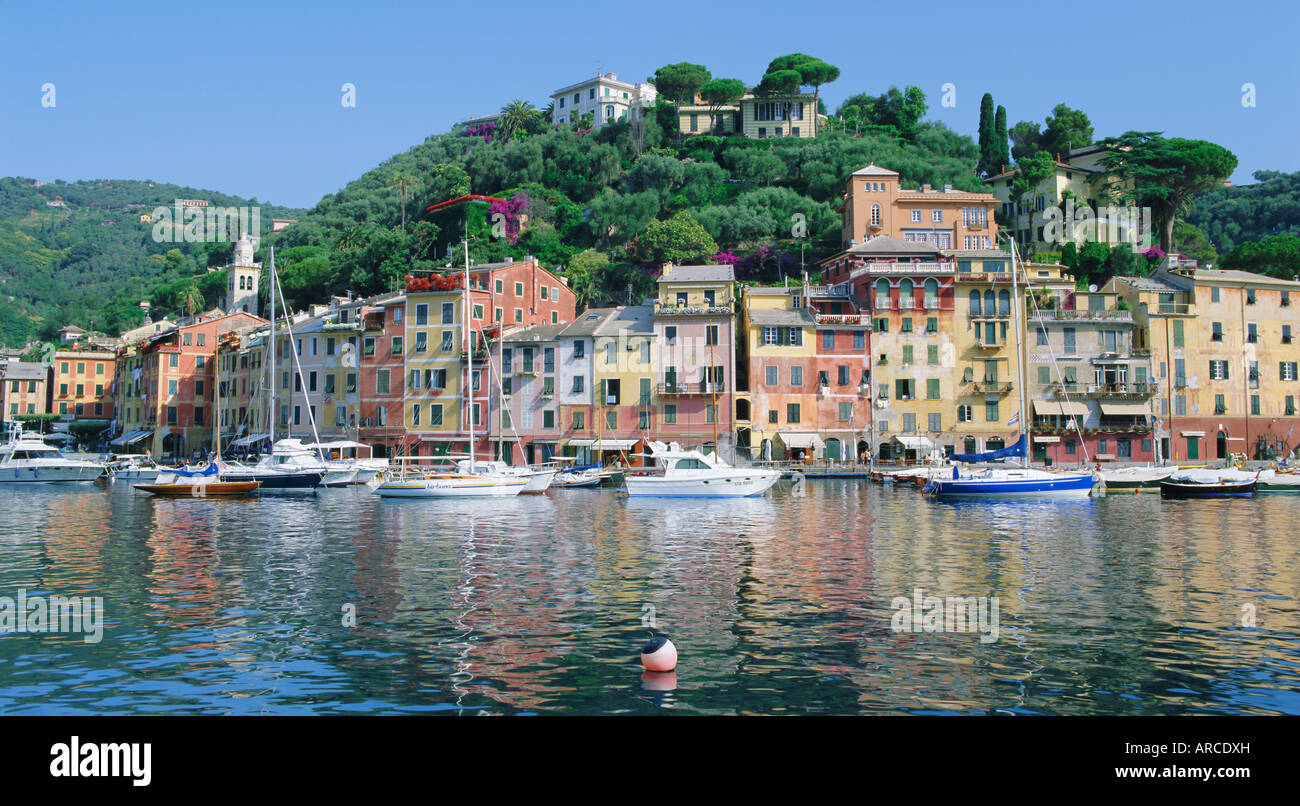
(985,382)
(1235,385)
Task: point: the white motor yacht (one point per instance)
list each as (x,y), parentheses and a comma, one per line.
(694,474)
(27,458)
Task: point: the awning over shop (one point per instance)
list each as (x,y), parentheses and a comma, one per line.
(130,438)
(242,441)
(1125,409)
(1047,408)
(801,440)
(913,443)
(1073,409)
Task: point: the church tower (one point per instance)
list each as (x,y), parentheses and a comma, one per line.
(242,277)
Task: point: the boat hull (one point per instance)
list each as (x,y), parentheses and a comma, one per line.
(999,489)
(200,489)
(273,481)
(52,474)
(1239,489)
(451,488)
(1274,487)
(740,484)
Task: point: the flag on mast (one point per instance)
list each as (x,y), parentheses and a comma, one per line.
(1015,418)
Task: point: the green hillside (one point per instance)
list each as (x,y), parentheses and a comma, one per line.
(78,252)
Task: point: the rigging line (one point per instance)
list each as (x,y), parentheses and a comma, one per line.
(1052,355)
(288,323)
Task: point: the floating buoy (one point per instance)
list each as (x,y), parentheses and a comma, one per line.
(659,655)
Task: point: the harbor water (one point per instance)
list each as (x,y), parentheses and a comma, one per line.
(343,602)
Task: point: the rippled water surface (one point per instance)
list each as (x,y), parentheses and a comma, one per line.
(782,604)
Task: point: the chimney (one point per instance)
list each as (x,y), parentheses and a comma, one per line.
(947,188)
(925,187)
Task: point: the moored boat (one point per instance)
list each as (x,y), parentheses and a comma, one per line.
(1212,489)
(692,474)
(26,458)
(205,482)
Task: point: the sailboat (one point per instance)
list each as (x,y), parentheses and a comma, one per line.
(1012,482)
(410,480)
(205,482)
(289,467)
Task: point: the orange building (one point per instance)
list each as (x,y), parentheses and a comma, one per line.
(165,395)
(82,383)
(875,204)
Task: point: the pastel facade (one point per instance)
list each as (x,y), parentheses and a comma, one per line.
(808,377)
(1225,350)
(695,332)
(1081,177)
(756,117)
(383,375)
(876,205)
(81,383)
(604,97)
(1089,383)
(24,389)
(164,394)
(437,417)
(988,387)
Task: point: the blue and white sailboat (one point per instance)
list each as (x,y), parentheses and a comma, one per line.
(1013,482)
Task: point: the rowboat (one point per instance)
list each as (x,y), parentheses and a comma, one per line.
(1215,489)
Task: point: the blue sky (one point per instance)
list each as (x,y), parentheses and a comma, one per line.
(247,100)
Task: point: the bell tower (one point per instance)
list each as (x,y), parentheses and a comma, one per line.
(242,277)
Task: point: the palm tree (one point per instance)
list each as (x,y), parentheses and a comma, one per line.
(514,117)
(354,237)
(403,182)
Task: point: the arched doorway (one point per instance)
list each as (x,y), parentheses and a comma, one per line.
(1221,445)
(994,444)
(864,450)
(174,446)
(833,450)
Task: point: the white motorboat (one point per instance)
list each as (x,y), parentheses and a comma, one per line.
(689,474)
(134,467)
(288,467)
(366,468)
(27,458)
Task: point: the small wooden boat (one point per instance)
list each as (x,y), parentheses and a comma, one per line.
(201,489)
(1215,489)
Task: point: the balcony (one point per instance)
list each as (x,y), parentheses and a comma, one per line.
(691,388)
(989,345)
(988,387)
(1083,316)
(842,319)
(1113,391)
(989,315)
(693,310)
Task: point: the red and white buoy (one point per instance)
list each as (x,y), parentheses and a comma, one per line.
(659,655)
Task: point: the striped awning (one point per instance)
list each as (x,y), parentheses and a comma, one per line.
(130,438)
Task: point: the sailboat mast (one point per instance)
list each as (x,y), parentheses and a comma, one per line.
(469,347)
(274,348)
(1020,368)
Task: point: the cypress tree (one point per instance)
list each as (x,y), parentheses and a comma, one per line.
(1001,147)
(985,166)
